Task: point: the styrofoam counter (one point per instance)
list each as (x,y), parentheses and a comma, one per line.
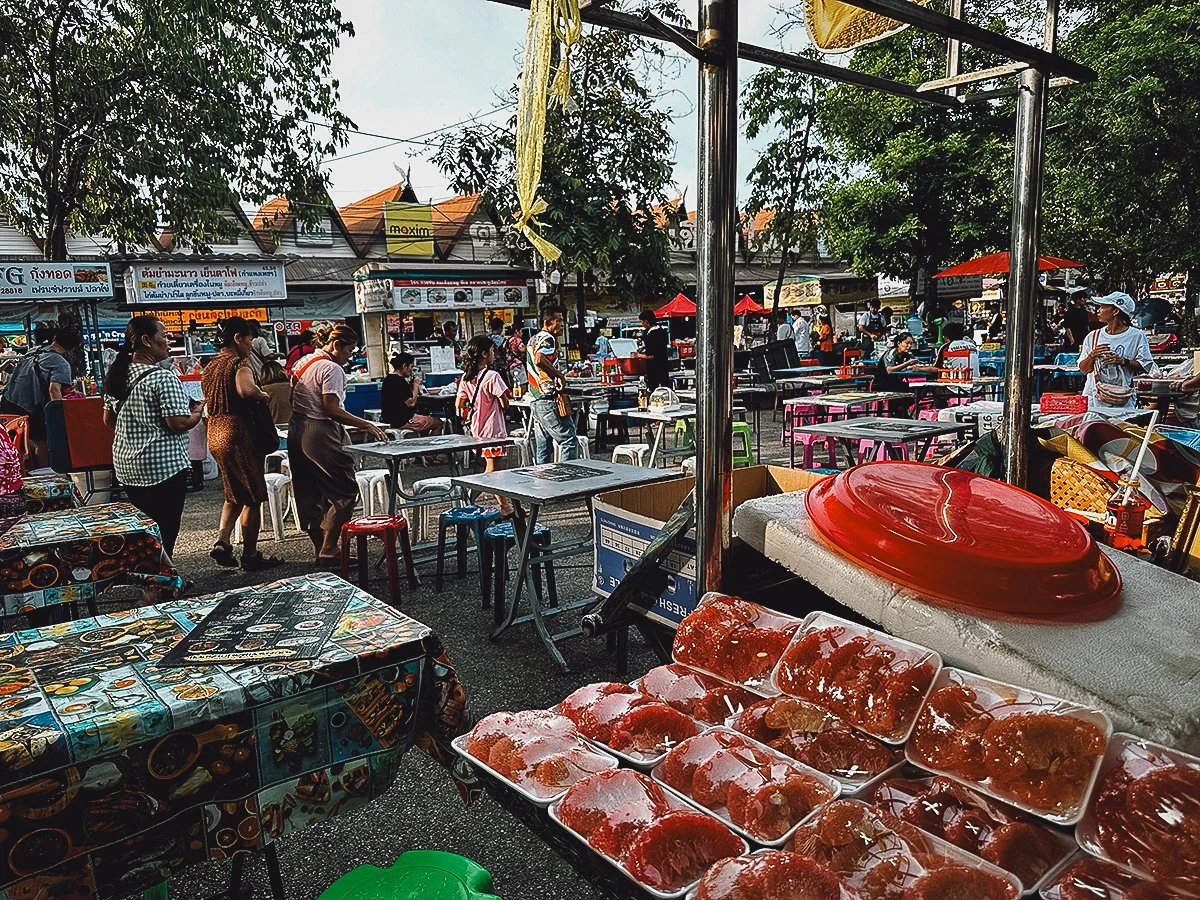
(1142,665)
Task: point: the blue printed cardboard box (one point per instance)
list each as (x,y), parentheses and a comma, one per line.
(627,520)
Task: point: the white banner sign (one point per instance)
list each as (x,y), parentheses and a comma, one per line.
(493,293)
(373,295)
(54,281)
(211,284)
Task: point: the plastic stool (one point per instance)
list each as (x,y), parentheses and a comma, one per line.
(496,542)
(743,445)
(581,443)
(417,875)
(388,529)
(807,441)
(431,489)
(634,454)
(866,450)
(462,519)
(367,480)
(688,465)
(279,490)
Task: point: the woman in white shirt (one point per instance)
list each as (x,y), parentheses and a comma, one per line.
(1113,356)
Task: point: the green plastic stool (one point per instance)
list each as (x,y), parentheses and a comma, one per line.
(743,445)
(417,875)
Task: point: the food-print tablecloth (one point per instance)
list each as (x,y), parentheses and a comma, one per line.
(73,555)
(50,493)
(116,772)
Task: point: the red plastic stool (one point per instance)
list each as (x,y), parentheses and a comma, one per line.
(388,529)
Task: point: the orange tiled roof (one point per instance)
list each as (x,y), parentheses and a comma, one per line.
(364,218)
(451,216)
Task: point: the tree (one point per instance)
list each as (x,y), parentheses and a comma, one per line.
(789,174)
(119,115)
(1123,165)
(606,173)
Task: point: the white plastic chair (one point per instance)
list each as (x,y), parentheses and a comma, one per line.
(584,450)
(279,503)
(634,454)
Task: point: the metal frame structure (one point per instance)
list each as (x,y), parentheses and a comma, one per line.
(716,47)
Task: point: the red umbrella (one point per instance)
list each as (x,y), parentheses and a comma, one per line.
(678,308)
(747,306)
(997,264)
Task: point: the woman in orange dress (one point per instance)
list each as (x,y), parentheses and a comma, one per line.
(229,392)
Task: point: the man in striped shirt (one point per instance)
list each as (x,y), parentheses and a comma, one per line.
(545,383)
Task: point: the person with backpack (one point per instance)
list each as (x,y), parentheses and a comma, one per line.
(42,375)
(482,398)
(151,415)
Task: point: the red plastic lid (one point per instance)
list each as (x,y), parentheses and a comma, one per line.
(966,541)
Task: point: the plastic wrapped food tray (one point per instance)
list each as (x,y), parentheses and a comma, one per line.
(888,860)
(1085,877)
(707,641)
(910,671)
(844,893)
(968,717)
(676,803)
(638,761)
(775,756)
(460,746)
(852,785)
(1171,806)
(703,677)
(896,794)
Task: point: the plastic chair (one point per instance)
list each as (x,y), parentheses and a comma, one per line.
(279,497)
(867,449)
(808,442)
(496,543)
(370,481)
(417,875)
(463,519)
(688,466)
(584,451)
(430,491)
(634,454)
(743,445)
(389,529)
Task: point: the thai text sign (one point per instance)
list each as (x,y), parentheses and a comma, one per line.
(409,229)
(208,284)
(54,281)
(461,294)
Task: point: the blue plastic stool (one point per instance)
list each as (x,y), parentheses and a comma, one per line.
(417,875)
(463,519)
(496,542)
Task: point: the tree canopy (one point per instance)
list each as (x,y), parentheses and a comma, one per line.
(119,116)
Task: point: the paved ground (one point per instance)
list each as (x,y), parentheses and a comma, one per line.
(422,810)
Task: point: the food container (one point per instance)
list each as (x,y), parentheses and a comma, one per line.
(1000,552)
(641,760)
(866,677)
(674,803)
(734,640)
(877,852)
(1063,404)
(1027,849)
(705,698)
(460,746)
(817,881)
(1144,813)
(1087,878)
(1037,752)
(769,756)
(819,740)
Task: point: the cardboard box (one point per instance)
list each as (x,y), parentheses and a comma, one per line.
(626,521)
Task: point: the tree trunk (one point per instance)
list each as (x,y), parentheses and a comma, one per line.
(55,250)
(1189,335)
(580,308)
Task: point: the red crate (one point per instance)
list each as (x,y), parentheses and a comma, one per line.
(1063,403)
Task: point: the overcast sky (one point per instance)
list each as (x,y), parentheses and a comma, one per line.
(416,66)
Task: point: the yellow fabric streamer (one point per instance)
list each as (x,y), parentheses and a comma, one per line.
(549,20)
(836,27)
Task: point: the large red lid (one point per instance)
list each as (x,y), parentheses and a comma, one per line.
(966,541)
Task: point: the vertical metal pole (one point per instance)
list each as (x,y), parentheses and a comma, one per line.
(716,242)
(1023,273)
(954,49)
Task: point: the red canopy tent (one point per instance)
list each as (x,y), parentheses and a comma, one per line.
(997,264)
(747,306)
(678,308)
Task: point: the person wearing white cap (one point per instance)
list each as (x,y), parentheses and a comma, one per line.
(1113,356)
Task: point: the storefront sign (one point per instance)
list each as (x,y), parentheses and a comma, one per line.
(461,294)
(813,290)
(54,281)
(372,295)
(207,284)
(409,229)
(181,320)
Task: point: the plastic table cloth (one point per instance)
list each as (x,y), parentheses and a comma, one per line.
(116,772)
(50,493)
(71,556)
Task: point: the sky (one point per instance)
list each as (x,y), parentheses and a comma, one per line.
(417,66)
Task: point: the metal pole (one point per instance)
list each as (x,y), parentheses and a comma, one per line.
(954,49)
(1023,273)
(716,242)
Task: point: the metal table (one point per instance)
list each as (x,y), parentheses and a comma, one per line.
(659,420)
(977,388)
(530,489)
(742,392)
(391,453)
(801,371)
(847,404)
(117,771)
(888,434)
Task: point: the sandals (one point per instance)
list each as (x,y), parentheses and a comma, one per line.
(223,554)
(258,562)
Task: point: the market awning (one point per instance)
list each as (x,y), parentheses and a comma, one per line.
(748,306)
(680,307)
(997,264)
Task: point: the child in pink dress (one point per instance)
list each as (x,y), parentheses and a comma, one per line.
(482,398)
